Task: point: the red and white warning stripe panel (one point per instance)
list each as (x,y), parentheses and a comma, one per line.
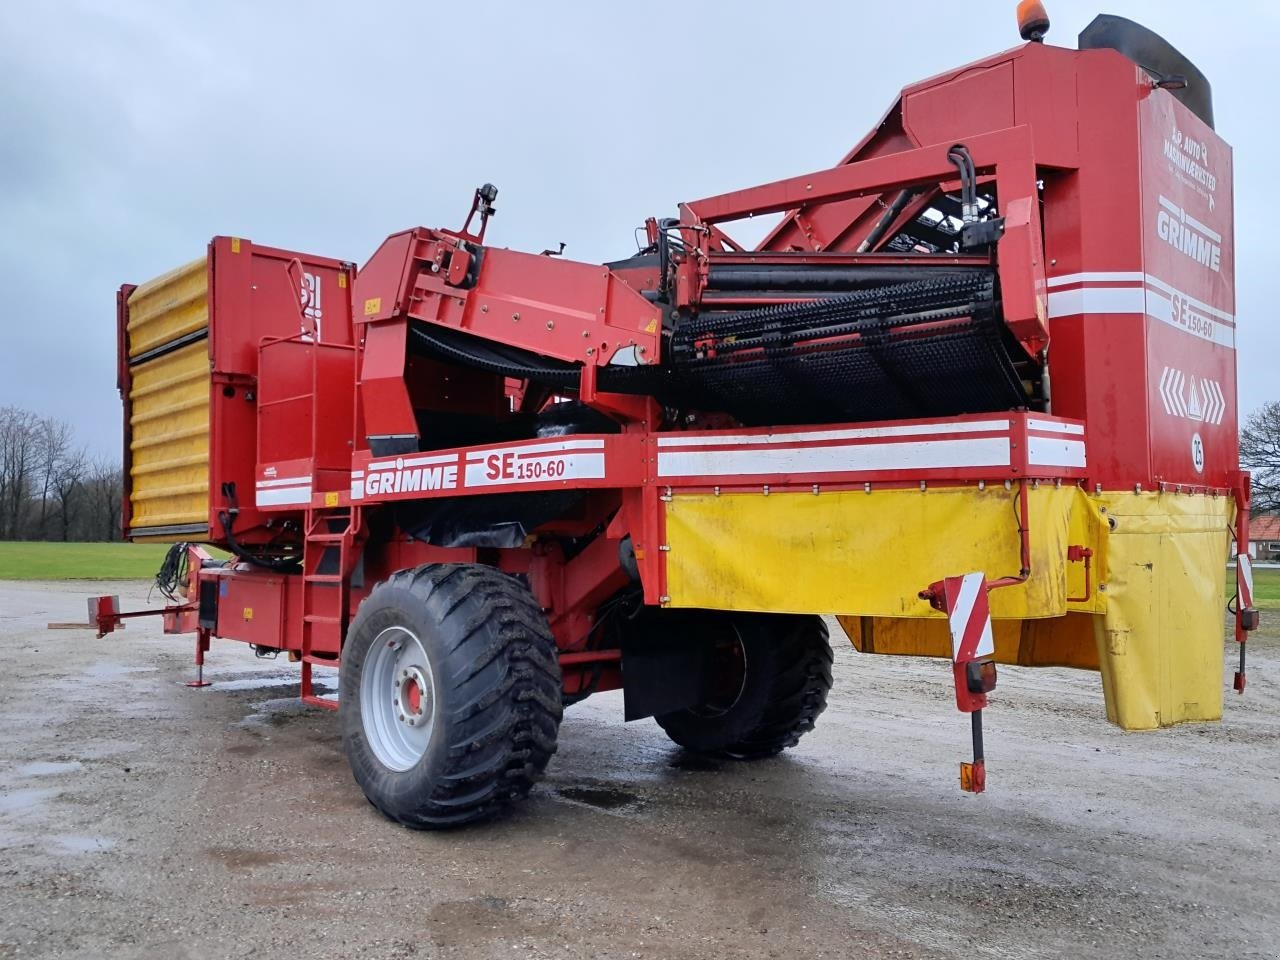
(1122,292)
(980,447)
(535,463)
(969,614)
(1244,581)
(283,491)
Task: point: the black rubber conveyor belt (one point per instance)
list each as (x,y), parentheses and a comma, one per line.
(929,347)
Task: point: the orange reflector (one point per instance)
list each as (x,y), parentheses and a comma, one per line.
(1033,20)
(973,777)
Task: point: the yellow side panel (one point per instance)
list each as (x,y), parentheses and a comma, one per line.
(1158,636)
(1067,641)
(1160,642)
(169,419)
(169,307)
(870,554)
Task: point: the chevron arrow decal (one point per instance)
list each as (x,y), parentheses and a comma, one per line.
(1191,398)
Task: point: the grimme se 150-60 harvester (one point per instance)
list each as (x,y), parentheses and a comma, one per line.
(491,483)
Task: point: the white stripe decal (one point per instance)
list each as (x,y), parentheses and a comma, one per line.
(519,469)
(1102,277)
(938,454)
(862,433)
(535,448)
(280,496)
(1188,321)
(1052,452)
(414,462)
(284,482)
(1155,299)
(1055,426)
(1199,305)
(1133,279)
(1070,303)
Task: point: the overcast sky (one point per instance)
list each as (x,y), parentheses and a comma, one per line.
(132,132)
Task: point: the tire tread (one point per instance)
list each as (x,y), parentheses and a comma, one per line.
(505,687)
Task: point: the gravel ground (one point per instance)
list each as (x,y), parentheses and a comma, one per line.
(139,818)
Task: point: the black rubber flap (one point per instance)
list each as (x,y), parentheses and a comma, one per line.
(1154,54)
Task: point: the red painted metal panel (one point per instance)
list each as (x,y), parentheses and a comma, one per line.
(992,447)
(259,293)
(972,102)
(560,308)
(124,380)
(258,607)
(1189,261)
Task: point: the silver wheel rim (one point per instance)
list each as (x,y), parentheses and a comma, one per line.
(397,699)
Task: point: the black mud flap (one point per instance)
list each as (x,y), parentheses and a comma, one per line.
(666,663)
(661,677)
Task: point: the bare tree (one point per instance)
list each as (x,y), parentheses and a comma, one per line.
(1260,452)
(68,473)
(103,499)
(53,447)
(45,476)
(18,447)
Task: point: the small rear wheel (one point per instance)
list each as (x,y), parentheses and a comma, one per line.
(449,696)
(769,678)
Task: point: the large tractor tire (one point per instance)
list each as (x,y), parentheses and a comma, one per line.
(770,682)
(449,694)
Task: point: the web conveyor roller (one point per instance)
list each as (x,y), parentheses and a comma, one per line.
(928,347)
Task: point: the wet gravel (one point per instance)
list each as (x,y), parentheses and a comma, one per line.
(143,819)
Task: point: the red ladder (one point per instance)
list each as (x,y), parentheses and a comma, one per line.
(329,557)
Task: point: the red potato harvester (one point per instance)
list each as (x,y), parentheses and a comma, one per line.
(975,394)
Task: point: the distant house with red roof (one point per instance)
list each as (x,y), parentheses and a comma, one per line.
(1264,537)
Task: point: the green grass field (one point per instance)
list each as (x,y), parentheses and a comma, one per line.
(140,561)
(1266,587)
(80,561)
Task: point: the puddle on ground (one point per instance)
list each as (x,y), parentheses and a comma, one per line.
(687,760)
(75,843)
(56,843)
(271,712)
(107,670)
(603,798)
(23,801)
(48,768)
(263,682)
(101,673)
